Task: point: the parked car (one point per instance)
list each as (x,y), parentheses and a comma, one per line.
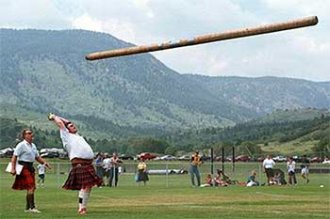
(261,159)
(146,156)
(219,158)
(6,152)
(185,157)
(279,158)
(296,158)
(167,157)
(126,157)
(243,158)
(50,154)
(316,160)
(205,158)
(326,161)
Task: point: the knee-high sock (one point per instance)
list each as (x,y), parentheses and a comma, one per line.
(30,201)
(80,198)
(85,199)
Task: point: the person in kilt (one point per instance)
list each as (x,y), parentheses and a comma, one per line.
(25,153)
(82,176)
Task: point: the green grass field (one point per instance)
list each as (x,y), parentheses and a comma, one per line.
(173,197)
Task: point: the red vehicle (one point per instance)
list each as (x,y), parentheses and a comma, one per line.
(146,156)
(316,160)
(243,158)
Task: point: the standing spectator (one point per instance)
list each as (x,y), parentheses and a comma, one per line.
(114,164)
(142,175)
(305,168)
(25,153)
(268,165)
(99,166)
(41,174)
(194,171)
(106,165)
(291,165)
(82,176)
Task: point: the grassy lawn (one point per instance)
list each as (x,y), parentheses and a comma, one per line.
(173,197)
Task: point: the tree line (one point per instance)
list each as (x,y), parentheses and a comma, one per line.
(246,138)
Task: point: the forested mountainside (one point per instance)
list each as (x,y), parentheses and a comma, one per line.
(45,71)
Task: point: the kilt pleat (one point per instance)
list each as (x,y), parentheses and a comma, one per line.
(25,181)
(82,176)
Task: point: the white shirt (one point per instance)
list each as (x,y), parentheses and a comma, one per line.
(41,169)
(26,152)
(268,163)
(107,163)
(76,145)
(291,166)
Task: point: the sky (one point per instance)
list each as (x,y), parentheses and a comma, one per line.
(300,53)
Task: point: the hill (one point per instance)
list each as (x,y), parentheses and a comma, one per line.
(45,71)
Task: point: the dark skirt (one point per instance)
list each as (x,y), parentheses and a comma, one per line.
(82,176)
(142,176)
(26,180)
(269,172)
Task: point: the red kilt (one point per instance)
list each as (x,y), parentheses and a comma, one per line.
(82,176)
(25,180)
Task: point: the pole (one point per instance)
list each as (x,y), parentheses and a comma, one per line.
(243,32)
(233,159)
(223,159)
(212,167)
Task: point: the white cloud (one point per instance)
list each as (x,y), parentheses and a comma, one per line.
(88,23)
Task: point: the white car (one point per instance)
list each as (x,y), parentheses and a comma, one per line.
(326,161)
(168,157)
(279,158)
(185,157)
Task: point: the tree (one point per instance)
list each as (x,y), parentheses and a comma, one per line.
(323,147)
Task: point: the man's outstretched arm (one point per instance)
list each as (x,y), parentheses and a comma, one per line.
(59,121)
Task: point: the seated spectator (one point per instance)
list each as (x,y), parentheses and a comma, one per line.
(252,179)
(277,179)
(221,179)
(208,181)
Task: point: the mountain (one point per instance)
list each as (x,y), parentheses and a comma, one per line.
(45,71)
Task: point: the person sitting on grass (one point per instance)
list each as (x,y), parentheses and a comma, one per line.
(208,180)
(221,179)
(252,179)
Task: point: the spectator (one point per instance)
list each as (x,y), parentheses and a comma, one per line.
(194,171)
(106,164)
(99,166)
(221,179)
(268,165)
(305,168)
(291,166)
(252,179)
(114,171)
(41,174)
(142,175)
(208,181)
